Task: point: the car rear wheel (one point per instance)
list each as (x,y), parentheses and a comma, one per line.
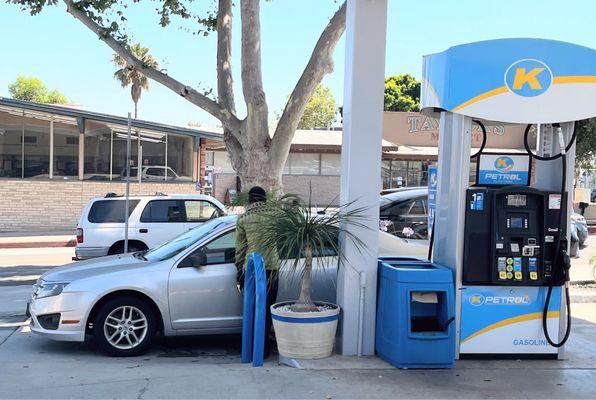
(124,326)
(119,248)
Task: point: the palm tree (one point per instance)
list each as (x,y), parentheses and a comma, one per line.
(127,75)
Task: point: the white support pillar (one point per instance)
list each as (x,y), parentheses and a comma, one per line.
(366,25)
(453,175)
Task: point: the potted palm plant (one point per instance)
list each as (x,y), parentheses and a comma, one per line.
(305,328)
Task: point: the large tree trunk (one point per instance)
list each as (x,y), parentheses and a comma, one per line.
(257,157)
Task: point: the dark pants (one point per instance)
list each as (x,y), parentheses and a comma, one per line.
(271,299)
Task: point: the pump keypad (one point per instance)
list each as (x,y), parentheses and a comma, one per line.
(512,268)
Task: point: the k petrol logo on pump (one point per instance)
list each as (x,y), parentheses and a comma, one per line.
(504,164)
(478,299)
(528,78)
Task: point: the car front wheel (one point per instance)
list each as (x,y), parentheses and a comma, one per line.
(124,326)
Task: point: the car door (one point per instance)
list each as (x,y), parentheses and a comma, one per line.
(160,221)
(202,289)
(199,211)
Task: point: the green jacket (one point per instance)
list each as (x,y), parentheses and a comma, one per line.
(247,238)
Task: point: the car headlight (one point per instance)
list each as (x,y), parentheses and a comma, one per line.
(48,289)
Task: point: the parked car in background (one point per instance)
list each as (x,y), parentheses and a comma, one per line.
(154,173)
(404,213)
(187,286)
(152,221)
(578,234)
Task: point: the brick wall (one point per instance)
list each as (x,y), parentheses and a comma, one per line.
(46,205)
(325,189)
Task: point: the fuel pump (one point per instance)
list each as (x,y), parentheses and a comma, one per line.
(505,236)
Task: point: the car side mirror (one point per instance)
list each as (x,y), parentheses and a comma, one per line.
(194,260)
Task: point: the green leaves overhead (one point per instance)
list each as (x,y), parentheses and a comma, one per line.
(402,93)
(197,17)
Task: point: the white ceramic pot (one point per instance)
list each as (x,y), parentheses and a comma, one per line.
(306,335)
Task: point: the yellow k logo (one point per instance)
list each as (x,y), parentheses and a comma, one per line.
(522,77)
(501,162)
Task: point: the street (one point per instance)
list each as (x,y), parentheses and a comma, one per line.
(210,366)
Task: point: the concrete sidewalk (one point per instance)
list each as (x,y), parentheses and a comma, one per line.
(209,367)
(38,239)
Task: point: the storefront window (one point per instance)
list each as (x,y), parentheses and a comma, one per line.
(399,173)
(66,150)
(180,156)
(386,174)
(153,158)
(11,149)
(98,143)
(330,164)
(119,155)
(36,147)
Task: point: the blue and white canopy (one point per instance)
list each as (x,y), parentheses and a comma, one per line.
(512,80)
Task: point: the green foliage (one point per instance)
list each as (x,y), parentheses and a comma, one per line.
(585,152)
(33,89)
(297,231)
(402,93)
(128,76)
(320,110)
(200,17)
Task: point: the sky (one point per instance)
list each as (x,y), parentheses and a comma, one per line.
(58,49)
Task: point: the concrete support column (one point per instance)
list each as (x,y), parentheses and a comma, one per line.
(366,25)
(453,173)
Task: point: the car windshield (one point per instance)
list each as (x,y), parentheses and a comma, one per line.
(184,241)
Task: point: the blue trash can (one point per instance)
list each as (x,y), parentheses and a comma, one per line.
(415,314)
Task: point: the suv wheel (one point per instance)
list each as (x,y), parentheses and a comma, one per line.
(124,326)
(119,249)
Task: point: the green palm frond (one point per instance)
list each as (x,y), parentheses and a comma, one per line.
(128,75)
(295,229)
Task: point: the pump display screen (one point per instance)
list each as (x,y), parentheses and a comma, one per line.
(517,223)
(516,200)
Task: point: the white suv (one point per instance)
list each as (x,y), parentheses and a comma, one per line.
(152,221)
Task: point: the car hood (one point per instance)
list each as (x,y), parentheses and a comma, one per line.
(94,267)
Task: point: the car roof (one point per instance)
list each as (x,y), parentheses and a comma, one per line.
(404,195)
(196,196)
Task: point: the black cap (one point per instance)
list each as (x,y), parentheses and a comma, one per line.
(256,194)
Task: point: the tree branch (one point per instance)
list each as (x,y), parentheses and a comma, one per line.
(225,89)
(319,64)
(252,79)
(190,94)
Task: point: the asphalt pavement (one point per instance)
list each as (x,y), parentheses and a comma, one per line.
(210,367)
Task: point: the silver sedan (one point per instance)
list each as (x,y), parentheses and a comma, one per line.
(184,287)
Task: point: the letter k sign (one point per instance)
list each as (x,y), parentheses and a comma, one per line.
(522,77)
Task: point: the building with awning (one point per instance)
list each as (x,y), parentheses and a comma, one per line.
(53,159)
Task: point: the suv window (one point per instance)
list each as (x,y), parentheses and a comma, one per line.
(221,250)
(200,210)
(156,171)
(163,211)
(110,211)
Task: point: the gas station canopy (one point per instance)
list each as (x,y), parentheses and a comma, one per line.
(512,81)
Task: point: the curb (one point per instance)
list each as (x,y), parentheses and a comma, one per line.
(30,245)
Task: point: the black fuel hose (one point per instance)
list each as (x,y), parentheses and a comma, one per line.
(557,260)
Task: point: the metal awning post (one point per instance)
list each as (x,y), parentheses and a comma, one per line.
(127,199)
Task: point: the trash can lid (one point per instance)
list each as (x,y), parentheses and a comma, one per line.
(416,272)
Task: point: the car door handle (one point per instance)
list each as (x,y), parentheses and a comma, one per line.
(143,230)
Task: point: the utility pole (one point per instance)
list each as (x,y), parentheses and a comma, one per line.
(127,196)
